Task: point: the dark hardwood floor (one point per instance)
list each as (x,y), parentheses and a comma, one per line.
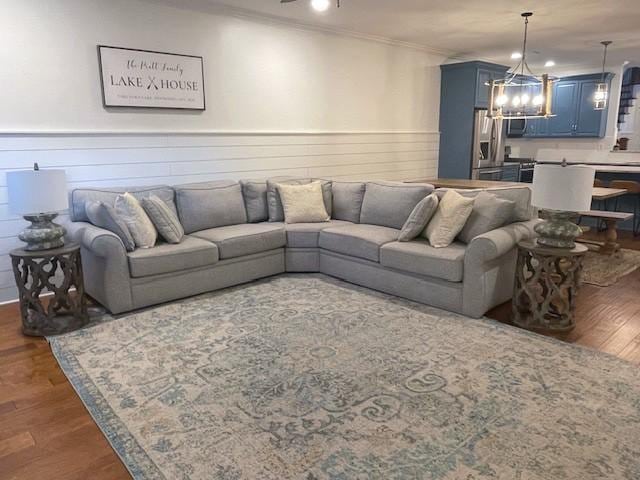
(45,431)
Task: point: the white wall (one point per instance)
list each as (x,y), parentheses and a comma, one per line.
(279,101)
(258,76)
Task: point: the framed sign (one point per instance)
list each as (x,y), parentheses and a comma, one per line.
(147,79)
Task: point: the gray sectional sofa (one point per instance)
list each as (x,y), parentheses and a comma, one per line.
(229,240)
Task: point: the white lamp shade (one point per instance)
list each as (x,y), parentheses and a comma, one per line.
(565,188)
(37,191)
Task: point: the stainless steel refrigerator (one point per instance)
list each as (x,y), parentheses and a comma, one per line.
(488,147)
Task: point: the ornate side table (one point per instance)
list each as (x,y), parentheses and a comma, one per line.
(547,281)
(56,271)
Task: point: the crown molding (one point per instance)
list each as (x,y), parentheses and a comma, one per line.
(213,133)
(208,6)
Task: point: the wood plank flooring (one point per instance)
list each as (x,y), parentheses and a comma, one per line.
(45,431)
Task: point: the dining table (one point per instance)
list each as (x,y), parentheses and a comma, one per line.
(599,193)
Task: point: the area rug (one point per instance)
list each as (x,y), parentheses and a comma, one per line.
(306,377)
(606,270)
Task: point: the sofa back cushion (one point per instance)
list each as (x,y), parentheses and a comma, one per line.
(79,197)
(521,196)
(276,212)
(389,204)
(489,212)
(209,205)
(254,193)
(347,200)
(104,216)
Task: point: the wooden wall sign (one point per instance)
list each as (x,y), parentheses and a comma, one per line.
(147,79)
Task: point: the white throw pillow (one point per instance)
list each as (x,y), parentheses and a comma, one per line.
(303,203)
(140,225)
(453,212)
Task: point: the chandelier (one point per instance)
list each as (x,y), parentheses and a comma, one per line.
(318,5)
(521,94)
(602,89)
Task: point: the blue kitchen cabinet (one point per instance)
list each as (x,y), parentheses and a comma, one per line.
(589,122)
(463,90)
(483,79)
(572,107)
(565,94)
(537,127)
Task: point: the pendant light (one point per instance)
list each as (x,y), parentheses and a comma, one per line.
(521,94)
(601,94)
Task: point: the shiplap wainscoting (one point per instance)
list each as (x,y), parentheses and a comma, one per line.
(148,159)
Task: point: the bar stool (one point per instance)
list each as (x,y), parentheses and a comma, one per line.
(633,192)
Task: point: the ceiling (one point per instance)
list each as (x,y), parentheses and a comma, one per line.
(566,31)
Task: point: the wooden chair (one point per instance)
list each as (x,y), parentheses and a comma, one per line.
(633,192)
(599,183)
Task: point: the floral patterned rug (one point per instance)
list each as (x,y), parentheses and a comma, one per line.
(306,377)
(606,270)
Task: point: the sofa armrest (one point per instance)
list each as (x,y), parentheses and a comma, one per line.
(105,264)
(494,244)
(489,267)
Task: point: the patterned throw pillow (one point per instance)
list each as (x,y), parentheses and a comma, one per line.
(165,221)
(138,222)
(104,216)
(419,218)
(303,203)
(449,219)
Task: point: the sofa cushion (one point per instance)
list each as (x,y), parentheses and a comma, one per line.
(453,212)
(168,257)
(307,235)
(303,203)
(523,210)
(489,212)
(104,216)
(240,240)
(347,200)
(254,193)
(419,218)
(389,204)
(165,221)
(210,204)
(358,240)
(276,211)
(419,257)
(129,209)
(78,197)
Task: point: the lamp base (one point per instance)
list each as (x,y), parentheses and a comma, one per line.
(559,229)
(43,233)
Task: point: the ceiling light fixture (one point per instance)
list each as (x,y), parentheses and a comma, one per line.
(602,89)
(549,63)
(317,5)
(521,94)
(516,56)
(320,5)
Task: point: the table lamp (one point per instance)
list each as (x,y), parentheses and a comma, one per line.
(38,195)
(561,192)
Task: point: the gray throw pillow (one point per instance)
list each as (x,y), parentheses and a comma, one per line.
(489,212)
(389,204)
(165,221)
(419,218)
(140,225)
(347,200)
(255,200)
(276,211)
(104,216)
